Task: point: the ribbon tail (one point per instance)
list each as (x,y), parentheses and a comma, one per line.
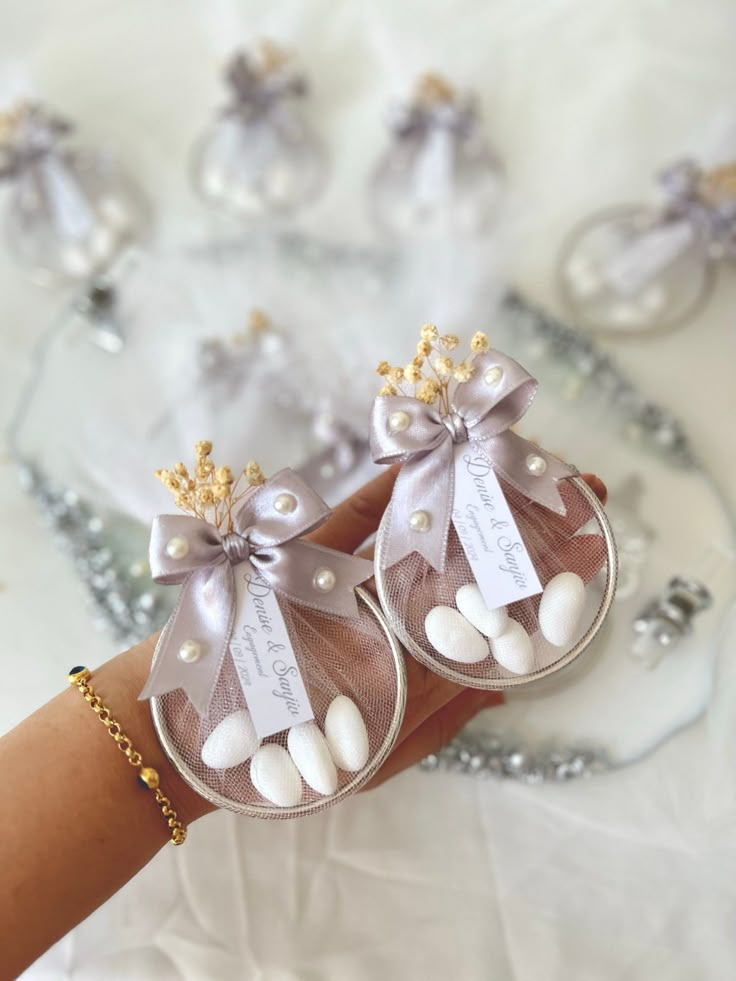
(508,453)
(425,483)
(204,614)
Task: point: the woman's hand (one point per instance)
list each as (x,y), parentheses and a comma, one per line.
(76,825)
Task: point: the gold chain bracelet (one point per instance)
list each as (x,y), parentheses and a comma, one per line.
(147,776)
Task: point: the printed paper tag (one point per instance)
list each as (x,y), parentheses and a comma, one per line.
(264,658)
(489,534)
(639,262)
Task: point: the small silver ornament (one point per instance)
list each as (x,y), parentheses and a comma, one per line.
(636,268)
(259,156)
(438,176)
(71,212)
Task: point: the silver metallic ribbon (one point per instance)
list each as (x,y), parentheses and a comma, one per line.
(257,92)
(34,134)
(268,541)
(681,183)
(482,413)
(417,119)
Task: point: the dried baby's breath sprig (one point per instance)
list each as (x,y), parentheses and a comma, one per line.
(432,356)
(463,371)
(210,492)
(443,366)
(253,474)
(428,391)
(258,321)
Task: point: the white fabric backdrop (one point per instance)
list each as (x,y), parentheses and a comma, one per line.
(627,876)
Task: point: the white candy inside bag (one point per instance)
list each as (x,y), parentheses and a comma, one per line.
(446,622)
(353,673)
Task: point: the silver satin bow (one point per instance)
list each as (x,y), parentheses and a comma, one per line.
(417,119)
(257,92)
(34,134)
(682,183)
(483,411)
(265,538)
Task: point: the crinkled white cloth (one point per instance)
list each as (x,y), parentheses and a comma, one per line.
(627,876)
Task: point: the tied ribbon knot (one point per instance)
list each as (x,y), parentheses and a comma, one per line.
(265,539)
(483,410)
(256,92)
(33,135)
(417,120)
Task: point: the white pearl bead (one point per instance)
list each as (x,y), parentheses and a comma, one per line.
(325,580)
(493,375)
(419,521)
(177,547)
(399,421)
(285,504)
(190,651)
(536,464)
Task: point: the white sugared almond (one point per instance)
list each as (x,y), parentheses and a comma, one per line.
(514,650)
(275,776)
(560,608)
(309,750)
(346,734)
(490,622)
(453,637)
(231,742)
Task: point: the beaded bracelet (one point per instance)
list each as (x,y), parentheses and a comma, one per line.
(148,777)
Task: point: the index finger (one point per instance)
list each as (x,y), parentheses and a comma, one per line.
(358,516)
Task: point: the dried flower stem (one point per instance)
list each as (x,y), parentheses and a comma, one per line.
(209,492)
(435,387)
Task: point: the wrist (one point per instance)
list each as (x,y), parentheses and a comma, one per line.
(120,681)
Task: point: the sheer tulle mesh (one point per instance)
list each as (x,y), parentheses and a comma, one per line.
(579,542)
(354,657)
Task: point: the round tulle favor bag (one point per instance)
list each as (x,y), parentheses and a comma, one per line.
(495,563)
(277,687)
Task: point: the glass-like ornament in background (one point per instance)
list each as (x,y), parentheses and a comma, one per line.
(669,617)
(225,363)
(637,268)
(262,352)
(259,156)
(70,211)
(439,175)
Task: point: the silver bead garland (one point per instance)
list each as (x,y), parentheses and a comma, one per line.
(499,754)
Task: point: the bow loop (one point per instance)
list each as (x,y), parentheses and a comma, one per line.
(402,427)
(498,393)
(282,509)
(179,545)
